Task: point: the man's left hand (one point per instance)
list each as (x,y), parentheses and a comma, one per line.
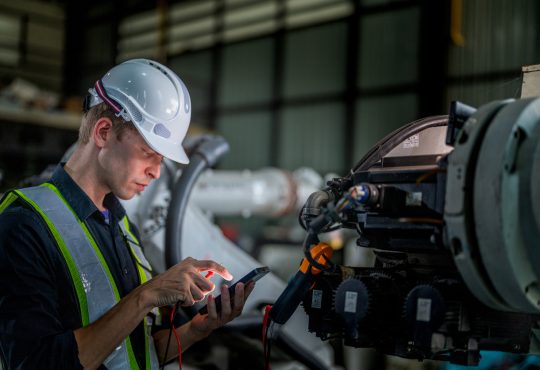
(203,325)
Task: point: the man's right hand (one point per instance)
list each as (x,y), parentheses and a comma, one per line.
(182,283)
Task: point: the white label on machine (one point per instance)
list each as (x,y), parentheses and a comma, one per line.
(423,309)
(412,142)
(316,299)
(413,199)
(350,301)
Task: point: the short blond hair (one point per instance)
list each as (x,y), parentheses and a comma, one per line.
(94,114)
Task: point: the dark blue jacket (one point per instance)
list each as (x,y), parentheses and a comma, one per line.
(38,305)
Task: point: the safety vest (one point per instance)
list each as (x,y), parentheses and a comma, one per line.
(94,285)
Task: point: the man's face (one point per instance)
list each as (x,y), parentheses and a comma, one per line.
(129,164)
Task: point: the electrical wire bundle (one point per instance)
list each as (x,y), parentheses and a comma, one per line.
(173,330)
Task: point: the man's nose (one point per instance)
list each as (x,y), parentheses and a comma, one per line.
(154,170)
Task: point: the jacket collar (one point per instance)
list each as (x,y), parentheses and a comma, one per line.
(79,200)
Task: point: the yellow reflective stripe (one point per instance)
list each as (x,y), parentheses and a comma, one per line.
(101,259)
(79,289)
(142,273)
(143,279)
(131,355)
(9,198)
(90,239)
(125,220)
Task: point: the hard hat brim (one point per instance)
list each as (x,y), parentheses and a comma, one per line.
(172,151)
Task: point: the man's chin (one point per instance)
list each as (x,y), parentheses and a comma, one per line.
(127,195)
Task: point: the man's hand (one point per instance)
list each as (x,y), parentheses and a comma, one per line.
(182,283)
(202,325)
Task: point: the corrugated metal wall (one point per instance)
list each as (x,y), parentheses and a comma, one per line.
(499,38)
(299,82)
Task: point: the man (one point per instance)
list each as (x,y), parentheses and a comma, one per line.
(75,288)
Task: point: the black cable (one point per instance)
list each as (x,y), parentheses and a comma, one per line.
(167,348)
(207,151)
(175,308)
(267,349)
(300,220)
(177,208)
(333,228)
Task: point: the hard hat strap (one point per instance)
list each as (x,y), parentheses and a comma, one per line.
(105,97)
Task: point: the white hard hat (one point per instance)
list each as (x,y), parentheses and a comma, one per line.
(151,96)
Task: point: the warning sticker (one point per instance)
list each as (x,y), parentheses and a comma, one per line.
(316,299)
(350,301)
(423,309)
(412,142)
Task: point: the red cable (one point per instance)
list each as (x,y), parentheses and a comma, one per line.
(266,344)
(265,322)
(173,328)
(177,339)
(208,275)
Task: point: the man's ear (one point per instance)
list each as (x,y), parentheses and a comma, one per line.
(102,132)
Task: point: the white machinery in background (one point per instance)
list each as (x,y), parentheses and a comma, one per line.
(269,192)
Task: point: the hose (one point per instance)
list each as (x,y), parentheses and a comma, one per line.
(206,153)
